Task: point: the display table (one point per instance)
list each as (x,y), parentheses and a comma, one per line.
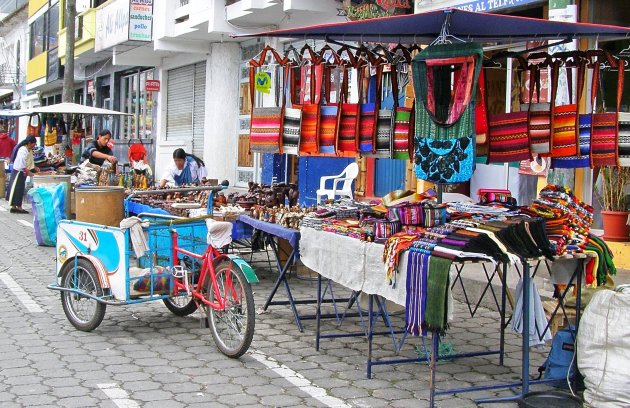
(359,266)
(239,230)
(273,232)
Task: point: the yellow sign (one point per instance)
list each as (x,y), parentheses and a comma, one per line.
(263,82)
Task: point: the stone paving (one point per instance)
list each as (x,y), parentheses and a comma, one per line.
(142,355)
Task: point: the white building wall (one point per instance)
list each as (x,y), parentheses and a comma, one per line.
(221,123)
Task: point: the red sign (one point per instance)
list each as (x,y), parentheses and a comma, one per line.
(90,86)
(152,85)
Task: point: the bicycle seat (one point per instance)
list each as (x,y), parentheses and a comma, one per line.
(219,233)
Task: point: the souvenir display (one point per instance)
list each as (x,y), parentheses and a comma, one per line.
(445,131)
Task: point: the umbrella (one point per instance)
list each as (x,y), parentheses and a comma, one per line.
(12,113)
(74,108)
(467,25)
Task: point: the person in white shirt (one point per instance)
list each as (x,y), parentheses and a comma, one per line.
(185,169)
(23,167)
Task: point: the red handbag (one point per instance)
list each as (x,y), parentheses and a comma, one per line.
(509,133)
(481,118)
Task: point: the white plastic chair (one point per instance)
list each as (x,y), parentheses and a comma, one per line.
(345,190)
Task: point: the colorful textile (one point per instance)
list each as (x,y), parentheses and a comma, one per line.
(291,130)
(564,139)
(624,139)
(328,129)
(394,247)
(604,139)
(347,141)
(435,316)
(264,136)
(445,161)
(416,300)
(310,125)
(540,127)
(384,134)
(583,159)
(481,118)
(402,133)
(367,127)
(509,138)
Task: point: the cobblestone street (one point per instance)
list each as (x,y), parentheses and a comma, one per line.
(145,356)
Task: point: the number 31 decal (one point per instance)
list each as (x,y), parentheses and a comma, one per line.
(83,236)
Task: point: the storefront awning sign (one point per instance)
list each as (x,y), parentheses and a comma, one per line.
(121,21)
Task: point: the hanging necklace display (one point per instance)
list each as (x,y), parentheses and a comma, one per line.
(583,157)
(266,122)
(606,138)
(509,135)
(444,128)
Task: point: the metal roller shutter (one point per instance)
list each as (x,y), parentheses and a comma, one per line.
(199,110)
(179,124)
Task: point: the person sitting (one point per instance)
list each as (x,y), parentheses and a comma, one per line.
(23,167)
(98,151)
(185,169)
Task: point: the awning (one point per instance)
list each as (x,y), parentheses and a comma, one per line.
(12,113)
(75,108)
(465,25)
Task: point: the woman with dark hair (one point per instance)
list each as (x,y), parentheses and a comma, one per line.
(23,167)
(185,169)
(98,151)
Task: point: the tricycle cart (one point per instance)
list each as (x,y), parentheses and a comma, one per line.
(183,266)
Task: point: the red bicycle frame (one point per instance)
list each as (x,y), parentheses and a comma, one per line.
(207,271)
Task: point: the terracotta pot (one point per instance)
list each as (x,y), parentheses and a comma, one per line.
(615,228)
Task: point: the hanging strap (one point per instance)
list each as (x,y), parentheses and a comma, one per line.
(377,103)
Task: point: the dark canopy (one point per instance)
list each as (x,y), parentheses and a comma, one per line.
(466,25)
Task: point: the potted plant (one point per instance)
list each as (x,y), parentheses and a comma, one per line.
(613,198)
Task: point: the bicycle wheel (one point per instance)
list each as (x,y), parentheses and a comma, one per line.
(181,305)
(83,312)
(233,327)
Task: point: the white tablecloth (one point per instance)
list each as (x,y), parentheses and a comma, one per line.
(354,264)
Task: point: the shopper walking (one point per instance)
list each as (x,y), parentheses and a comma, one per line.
(23,167)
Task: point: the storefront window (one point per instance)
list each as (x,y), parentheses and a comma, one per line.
(37,41)
(139,103)
(53,27)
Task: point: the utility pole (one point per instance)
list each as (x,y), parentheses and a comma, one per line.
(67,93)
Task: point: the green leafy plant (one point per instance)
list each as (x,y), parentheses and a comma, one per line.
(612,194)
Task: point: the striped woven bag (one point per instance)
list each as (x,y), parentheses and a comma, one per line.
(509,132)
(565,138)
(329,112)
(292,121)
(266,122)
(605,131)
(347,140)
(309,132)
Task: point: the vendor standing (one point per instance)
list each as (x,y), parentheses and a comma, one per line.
(98,151)
(23,166)
(185,169)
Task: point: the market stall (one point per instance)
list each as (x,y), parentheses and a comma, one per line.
(442,128)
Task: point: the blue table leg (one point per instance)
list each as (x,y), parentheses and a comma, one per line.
(370,332)
(435,349)
(319,310)
(503,299)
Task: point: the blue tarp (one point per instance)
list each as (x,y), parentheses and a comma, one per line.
(466,25)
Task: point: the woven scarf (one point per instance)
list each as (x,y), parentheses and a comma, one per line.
(435,317)
(416,299)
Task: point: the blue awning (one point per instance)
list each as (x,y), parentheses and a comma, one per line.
(466,25)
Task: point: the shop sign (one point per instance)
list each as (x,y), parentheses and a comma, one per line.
(112,25)
(152,85)
(482,6)
(140,20)
(90,86)
(263,82)
(367,9)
